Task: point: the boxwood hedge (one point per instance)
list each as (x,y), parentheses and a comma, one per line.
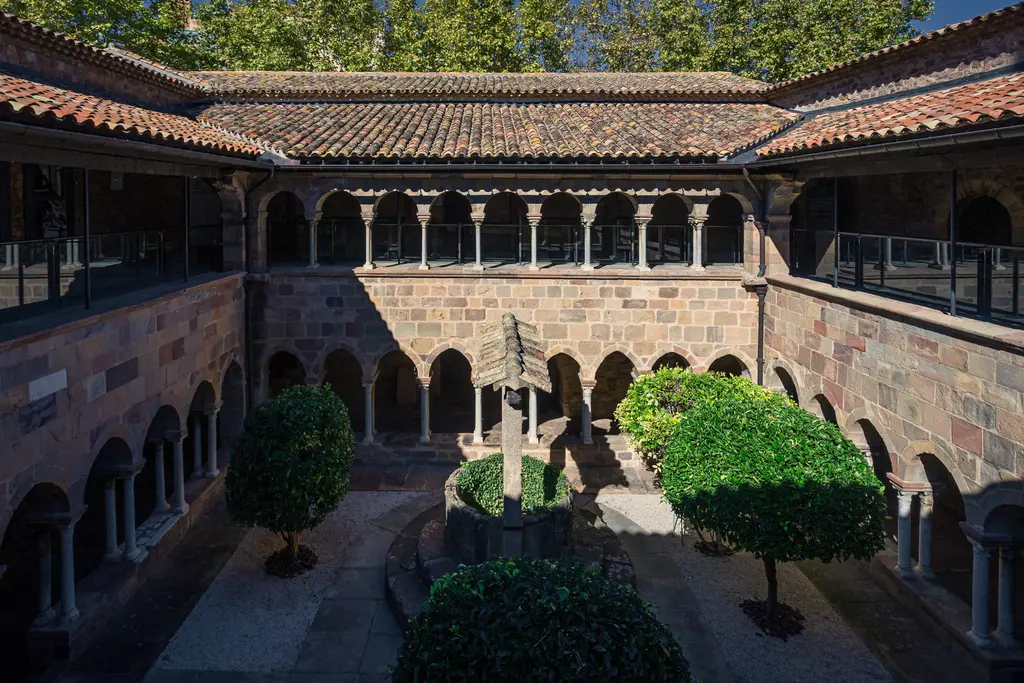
(480,484)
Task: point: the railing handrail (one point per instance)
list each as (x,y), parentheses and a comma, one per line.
(69,238)
(929,240)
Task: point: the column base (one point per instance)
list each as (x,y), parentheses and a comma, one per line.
(116,555)
(478,268)
(70,617)
(424,266)
(982,641)
(369,441)
(939,266)
(212,474)
(44,618)
(478,440)
(698,268)
(534,267)
(905,574)
(888,267)
(313,265)
(587,266)
(644,269)
(179,510)
(137,555)
(1006,641)
(925,573)
(588,441)
(425,439)
(163,509)
(369,266)
(533,440)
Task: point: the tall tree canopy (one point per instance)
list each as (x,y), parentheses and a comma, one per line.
(771,40)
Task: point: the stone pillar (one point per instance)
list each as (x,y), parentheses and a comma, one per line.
(532,427)
(588,393)
(478,414)
(587,224)
(314,221)
(477,225)
(905,500)
(178,439)
(368,412)
(110,516)
(641,225)
(925,501)
(425,412)
(979,633)
(1004,616)
(131,551)
(424,220)
(196,433)
(367,213)
(45,606)
(161,482)
(69,610)
(211,444)
(512,447)
(533,244)
(698,243)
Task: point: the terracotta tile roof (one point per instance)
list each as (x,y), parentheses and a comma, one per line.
(492,130)
(971,104)
(341,86)
(37,103)
(114,59)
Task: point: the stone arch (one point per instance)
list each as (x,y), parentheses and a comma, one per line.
(781,377)
(1004,494)
(723,231)
(968,187)
(340,230)
(613,234)
(611,382)
(983,219)
(396,394)
(590,371)
(284,369)
(910,468)
(232,412)
(668,233)
(560,230)
(204,397)
(821,406)
(566,398)
(114,459)
(452,397)
(450,344)
(861,430)
(1006,519)
(287,228)
(450,230)
(671,358)
(396,228)
(567,351)
(318,367)
(504,227)
(343,371)
(730,362)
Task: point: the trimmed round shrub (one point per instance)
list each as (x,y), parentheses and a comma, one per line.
(481,484)
(527,621)
(289,469)
(772,479)
(654,403)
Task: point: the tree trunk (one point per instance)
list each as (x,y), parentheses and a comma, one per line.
(293,545)
(772,604)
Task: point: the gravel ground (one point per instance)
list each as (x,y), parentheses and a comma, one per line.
(826,650)
(253,622)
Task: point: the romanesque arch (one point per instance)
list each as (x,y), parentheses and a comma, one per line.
(612,380)
(340,233)
(344,374)
(565,401)
(396,229)
(559,233)
(821,406)
(396,394)
(287,231)
(284,370)
(670,360)
(982,219)
(729,364)
(452,397)
(782,380)
(723,231)
(505,229)
(669,233)
(206,228)
(614,235)
(450,232)
(232,411)
(105,495)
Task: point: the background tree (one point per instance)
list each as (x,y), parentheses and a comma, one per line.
(775,481)
(289,469)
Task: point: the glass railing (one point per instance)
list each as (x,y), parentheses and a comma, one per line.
(669,243)
(980,280)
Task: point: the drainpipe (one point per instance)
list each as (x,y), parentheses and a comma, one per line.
(762,264)
(761,290)
(246,300)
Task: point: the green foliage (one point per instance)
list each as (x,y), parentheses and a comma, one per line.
(533,621)
(481,484)
(290,467)
(772,478)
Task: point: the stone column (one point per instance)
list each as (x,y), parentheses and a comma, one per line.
(368,412)
(211,444)
(367,214)
(424,220)
(698,243)
(641,225)
(905,500)
(587,224)
(477,225)
(533,244)
(131,551)
(425,412)
(478,414)
(925,501)
(69,611)
(313,221)
(532,426)
(512,475)
(1004,628)
(178,440)
(161,482)
(110,515)
(588,393)
(979,633)
(197,445)
(45,606)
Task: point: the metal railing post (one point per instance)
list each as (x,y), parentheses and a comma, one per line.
(858,264)
(188,222)
(952,243)
(1015,287)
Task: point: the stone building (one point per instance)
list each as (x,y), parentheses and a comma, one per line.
(175,247)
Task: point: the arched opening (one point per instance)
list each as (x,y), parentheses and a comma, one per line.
(158,454)
(20,553)
(396,395)
(284,370)
(451,394)
(345,376)
(821,407)
(110,471)
(723,231)
(560,411)
(206,229)
(785,384)
(1007,521)
(952,557)
(730,365)
(196,446)
(870,442)
(287,231)
(670,360)
(984,220)
(450,234)
(505,229)
(668,233)
(340,234)
(613,378)
(396,229)
(231,417)
(559,238)
(614,233)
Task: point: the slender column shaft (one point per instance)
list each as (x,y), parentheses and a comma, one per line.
(211,444)
(180,506)
(69,611)
(533,245)
(110,515)
(131,551)
(478,415)
(888,254)
(425,413)
(698,245)
(587,426)
(197,445)
(1004,628)
(587,226)
(423,246)
(642,245)
(45,578)
(368,412)
(905,500)
(924,535)
(312,244)
(368,264)
(161,481)
(979,596)
(532,433)
(479,254)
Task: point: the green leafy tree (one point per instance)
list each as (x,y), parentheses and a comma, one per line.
(403,36)
(772,479)
(289,469)
(618,35)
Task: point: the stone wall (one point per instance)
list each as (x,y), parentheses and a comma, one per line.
(66,391)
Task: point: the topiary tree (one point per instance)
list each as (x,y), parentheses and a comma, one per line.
(526,621)
(774,480)
(481,484)
(289,469)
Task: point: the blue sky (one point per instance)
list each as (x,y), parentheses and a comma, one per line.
(952,11)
